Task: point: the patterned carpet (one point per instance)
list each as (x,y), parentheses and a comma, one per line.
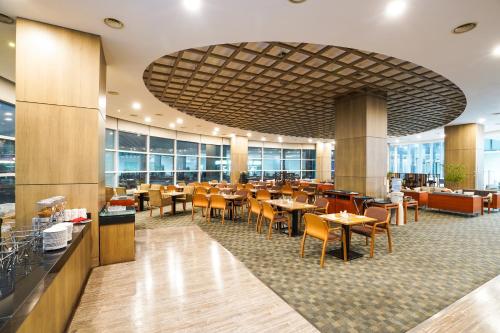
(435,262)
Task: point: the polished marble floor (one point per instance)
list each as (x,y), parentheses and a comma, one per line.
(182,281)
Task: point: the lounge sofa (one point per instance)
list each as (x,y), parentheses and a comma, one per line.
(493,195)
(457,203)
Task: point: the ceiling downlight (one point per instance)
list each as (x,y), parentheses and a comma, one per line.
(297,1)
(463,28)
(113,23)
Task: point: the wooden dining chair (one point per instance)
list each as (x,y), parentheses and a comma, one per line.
(158,201)
(372,229)
(205,184)
(214,190)
(217,202)
(187,197)
(144,187)
(321,206)
(240,203)
(262,195)
(299,196)
(201,201)
(287,190)
(318,228)
(120,191)
(181,183)
(273,217)
(200,190)
(171,188)
(109,193)
(240,186)
(254,208)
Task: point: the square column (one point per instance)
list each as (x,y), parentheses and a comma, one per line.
(239,157)
(324,161)
(464,144)
(60,120)
(361,143)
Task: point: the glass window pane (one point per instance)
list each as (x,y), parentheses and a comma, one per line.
(166,178)
(291,165)
(254,175)
(132,162)
(161,145)
(309,165)
(110,138)
(291,153)
(7,150)
(309,154)
(308,174)
(187,148)
(226,175)
(268,175)
(207,176)
(187,177)
(254,152)
(7,119)
(272,165)
(131,179)
(187,163)
(7,189)
(210,163)
(293,174)
(226,164)
(161,163)
(132,141)
(210,150)
(272,153)
(226,152)
(109,161)
(254,165)
(110,179)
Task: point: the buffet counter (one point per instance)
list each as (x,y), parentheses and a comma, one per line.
(44,299)
(116,235)
(340,200)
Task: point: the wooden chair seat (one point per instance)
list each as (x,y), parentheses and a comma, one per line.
(366,230)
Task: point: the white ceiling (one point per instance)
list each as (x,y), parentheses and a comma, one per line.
(157,27)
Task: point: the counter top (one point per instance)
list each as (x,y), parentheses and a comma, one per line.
(117,217)
(28,289)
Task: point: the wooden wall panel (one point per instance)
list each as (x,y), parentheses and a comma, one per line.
(117,243)
(324,161)
(239,157)
(56,65)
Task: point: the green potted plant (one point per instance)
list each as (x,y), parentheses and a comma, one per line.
(454,175)
(243,178)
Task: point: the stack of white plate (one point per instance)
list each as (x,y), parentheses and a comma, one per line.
(55,237)
(69,229)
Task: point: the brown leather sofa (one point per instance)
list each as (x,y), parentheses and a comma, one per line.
(495,198)
(457,203)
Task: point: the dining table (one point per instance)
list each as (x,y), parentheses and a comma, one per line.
(230,198)
(346,222)
(141,195)
(174,195)
(294,208)
(274,193)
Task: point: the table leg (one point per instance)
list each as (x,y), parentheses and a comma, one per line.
(339,253)
(295,223)
(141,202)
(174,205)
(405,212)
(416,212)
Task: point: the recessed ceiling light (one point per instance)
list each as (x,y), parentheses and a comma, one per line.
(136,105)
(464,28)
(133,115)
(11,44)
(496,51)
(310,140)
(297,1)
(481,120)
(419,137)
(232,135)
(443,136)
(118,110)
(216,129)
(147,119)
(6,19)
(280,139)
(113,23)
(7,114)
(7,119)
(192,5)
(171,125)
(158,114)
(179,120)
(397,140)
(263,138)
(333,142)
(112,92)
(249,134)
(395,8)
(214,133)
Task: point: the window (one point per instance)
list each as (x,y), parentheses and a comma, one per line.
(210,150)
(187,163)
(210,163)
(187,148)
(7,153)
(7,188)
(110,179)
(7,119)
(254,152)
(291,154)
(161,178)
(161,145)
(333,164)
(109,163)
(207,176)
(308,154)
(131,179)
(161,163)
(417,158)
(131,162)
(110,139)
(274,153)
(187,177)
(132,142)
(226,151)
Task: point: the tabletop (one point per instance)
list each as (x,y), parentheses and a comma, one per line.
(290,205)
(173,194)
(228,196)
(352,219)
(140,191)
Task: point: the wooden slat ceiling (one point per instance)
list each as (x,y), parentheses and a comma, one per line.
(290,88)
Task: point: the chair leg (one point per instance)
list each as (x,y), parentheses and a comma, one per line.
(161,212)
(208,215)
(366,240)
(343,245)
(150,212)
(372,246)
(223,212)
(302,244)
(289,227)
(184,206)
(192,214)
(270,231)
(389,240)
(323,250)
(249,222)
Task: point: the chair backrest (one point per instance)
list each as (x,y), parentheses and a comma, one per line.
(190,184)
(181,183)
(214,181)
(214,190)
(154,198)
(287,189)
(378,213)
(255,206)
(315,226)
(217,201)
(267,211)
(120,191)
(249,186)
(155,186)
(263,195)
(144,187)
(221,185)
(109,193)
(205,184)
(200,190)
(171,188)
(322,204)
(188,189)
(200,200)
(243,193)
(299,196)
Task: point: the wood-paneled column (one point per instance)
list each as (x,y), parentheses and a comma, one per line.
(239,157)
(464,144)
(361,143)
(60,120)
(323,161)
